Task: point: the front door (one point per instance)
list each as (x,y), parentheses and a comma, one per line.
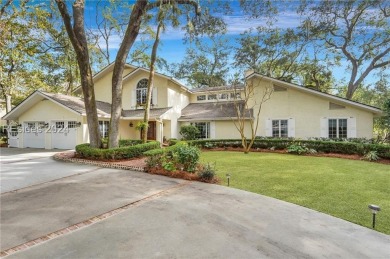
(151,131)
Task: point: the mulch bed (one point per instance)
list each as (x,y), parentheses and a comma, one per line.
(141,163)
(180,174)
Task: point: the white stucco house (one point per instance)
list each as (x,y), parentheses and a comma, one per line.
(49,120)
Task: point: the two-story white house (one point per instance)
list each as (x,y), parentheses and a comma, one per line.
(48,120)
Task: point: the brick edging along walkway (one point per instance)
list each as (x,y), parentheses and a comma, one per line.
(114,165)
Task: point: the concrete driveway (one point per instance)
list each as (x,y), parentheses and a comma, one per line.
(109,213)
(22,167)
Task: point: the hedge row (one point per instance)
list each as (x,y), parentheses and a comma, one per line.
(320,146)
(125,152)
(129,142)
(161,151)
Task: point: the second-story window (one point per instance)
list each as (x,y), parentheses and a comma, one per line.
(142,91)
(212,97)
(201,97)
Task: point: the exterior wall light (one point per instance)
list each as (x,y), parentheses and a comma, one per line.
(78,124)
(374,209)
(131,124)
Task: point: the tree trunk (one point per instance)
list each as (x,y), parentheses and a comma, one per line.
(79,42)
(8,103)
(90,103)
(150,82)
(350,91)
(131,34)
(132,30)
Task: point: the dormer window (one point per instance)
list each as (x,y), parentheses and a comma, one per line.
(223,96)
(142,92)
(201,97)
(212,97)
(235,95)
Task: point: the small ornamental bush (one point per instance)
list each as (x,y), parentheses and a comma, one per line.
(181,161)
(371,156)
(154,161)
(206,172)
(297,149)
(188,157)
(189,132)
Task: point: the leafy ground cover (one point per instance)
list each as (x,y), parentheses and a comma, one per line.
(338,187)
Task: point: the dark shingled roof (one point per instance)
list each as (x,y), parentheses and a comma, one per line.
(219,88)
(154,113)
(212,111)
(77,103)
(103,108)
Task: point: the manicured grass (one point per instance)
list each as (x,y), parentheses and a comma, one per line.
(339,187)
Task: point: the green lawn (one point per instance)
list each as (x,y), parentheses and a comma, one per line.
(339,187)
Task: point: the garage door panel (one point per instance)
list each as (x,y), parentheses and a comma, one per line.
(64,134)
(34,134)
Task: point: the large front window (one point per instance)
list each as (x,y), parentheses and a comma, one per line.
(337,128)
(204,129)
(103,128)
(142,91)
(280,128)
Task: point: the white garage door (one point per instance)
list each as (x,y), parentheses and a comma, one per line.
(64,134)
(34,134)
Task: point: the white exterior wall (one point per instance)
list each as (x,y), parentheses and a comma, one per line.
(306,111)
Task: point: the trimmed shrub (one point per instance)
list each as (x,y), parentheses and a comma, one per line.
(189,132)
(129,142)
(187,156)
(85,151)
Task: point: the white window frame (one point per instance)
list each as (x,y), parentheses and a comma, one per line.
(338,128)
(103,128)
(212,97)
(204,129)
(223,96)
(141,92)
(279,128)
(198,98)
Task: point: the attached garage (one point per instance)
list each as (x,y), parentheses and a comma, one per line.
(50,121)
(34,134)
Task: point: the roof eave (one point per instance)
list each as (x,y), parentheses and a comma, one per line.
(375,111)
(214,119)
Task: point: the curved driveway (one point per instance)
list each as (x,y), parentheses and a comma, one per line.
(170,218)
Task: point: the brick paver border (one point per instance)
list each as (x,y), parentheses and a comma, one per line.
(113,165)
